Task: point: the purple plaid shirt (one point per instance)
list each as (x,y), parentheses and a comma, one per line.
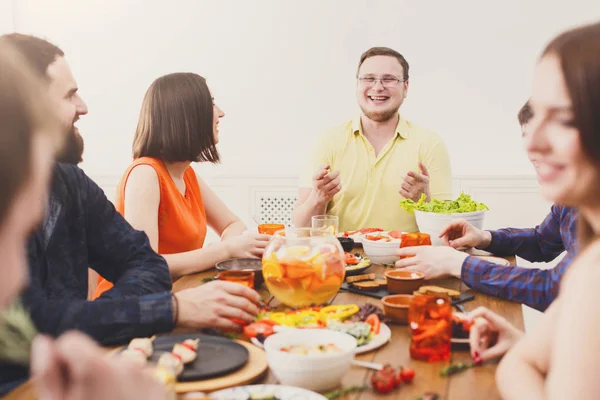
(534,287)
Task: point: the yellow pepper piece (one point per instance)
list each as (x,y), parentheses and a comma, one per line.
(339,312)
(283,318)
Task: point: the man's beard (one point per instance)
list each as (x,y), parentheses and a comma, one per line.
(380,116)
(72,151)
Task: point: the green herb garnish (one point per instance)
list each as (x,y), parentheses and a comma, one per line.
(334,394)
(456,368)
(463,204)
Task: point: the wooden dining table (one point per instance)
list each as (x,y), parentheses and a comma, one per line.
(474,383)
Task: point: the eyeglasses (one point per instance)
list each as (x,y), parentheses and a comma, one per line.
(386,81)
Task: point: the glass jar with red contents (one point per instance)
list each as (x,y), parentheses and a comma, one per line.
(414,239)
(430,323)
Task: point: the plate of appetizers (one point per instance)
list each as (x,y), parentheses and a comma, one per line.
(266,392)
(364,323)
(193,357)
(356,263)
(359,234)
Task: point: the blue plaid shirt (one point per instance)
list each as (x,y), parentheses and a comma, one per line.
(534,287)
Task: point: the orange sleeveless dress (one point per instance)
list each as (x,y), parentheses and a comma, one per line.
(181,219)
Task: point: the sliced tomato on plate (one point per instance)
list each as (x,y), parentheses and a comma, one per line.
(375,323)
(364,231)
(350,259)
(395,234)
(258,328)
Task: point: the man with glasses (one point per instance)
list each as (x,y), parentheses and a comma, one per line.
(361,169)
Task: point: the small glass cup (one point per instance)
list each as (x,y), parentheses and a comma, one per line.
(245,278)
(414,239)
(270,229)
(329,223)
(430,323)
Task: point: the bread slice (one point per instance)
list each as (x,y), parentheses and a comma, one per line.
(437,290)
(366,285)
(358,278)
(381,282)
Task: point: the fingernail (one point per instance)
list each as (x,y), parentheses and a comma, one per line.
(478,361)
(475,355)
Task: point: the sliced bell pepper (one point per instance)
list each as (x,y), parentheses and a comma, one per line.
(339,312)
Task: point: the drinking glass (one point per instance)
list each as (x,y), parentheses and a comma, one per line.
(430,323)
(414,239)
(245,278)
(330,223)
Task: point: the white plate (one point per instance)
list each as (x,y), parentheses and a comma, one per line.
(281,392)
(384,336)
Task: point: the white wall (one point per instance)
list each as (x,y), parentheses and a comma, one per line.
(6,16)
(284,70)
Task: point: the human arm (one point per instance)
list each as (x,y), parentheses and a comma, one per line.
(142,199)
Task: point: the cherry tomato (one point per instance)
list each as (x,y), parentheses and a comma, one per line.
(383,382)
(407,374)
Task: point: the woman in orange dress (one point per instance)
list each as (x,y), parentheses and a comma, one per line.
(161,194)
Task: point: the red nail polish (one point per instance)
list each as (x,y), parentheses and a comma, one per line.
(478,361)
(475,355)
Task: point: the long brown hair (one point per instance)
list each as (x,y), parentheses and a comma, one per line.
(24,112)
(176,121)
(578,51)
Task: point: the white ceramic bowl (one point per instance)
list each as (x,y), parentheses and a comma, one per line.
(433,223)
(318,372)
(380,252)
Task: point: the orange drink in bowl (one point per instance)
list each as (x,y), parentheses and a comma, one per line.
(270,229)
(303,266)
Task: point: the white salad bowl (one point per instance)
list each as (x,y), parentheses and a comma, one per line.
(434,223)
(318,372)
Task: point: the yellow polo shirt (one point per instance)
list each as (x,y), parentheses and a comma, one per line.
(369,197)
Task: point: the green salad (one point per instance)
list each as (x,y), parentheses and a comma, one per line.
(463,204)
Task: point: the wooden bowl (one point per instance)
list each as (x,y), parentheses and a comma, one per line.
(403,282)
(395,307)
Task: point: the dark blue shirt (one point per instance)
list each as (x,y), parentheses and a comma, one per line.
(534,287)
(82,229)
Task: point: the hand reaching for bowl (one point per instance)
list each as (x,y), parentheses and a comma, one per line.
(491,335)
(248,244)
(326,184)
(433,261)
(415,184)
(461,233)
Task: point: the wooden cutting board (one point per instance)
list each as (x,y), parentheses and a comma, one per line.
(254,368)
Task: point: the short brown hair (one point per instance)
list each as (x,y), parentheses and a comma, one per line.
(24,111)
(525,114)
(38,53)
(176,121)
(384,51)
